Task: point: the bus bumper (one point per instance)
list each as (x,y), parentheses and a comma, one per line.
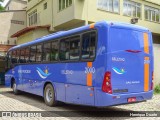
(104,99)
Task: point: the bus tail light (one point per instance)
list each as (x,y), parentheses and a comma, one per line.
(106,86)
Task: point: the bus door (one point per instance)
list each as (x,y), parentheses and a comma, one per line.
(131,61)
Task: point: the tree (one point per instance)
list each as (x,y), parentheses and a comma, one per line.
(1,7)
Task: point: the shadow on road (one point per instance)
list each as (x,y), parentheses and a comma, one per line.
(66,110)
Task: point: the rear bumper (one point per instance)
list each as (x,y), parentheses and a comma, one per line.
(103,99)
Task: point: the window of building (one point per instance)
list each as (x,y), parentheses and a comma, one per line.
(45,6)
(64,4)
(132,9)
(17,22)
(33,18)
(88,45)
(109,5)
(152,14)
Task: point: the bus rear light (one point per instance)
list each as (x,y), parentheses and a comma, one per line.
(106,86)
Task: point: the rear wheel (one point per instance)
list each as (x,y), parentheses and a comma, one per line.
(14,88)
(49,95)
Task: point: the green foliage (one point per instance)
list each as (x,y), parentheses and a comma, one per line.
(157,89)
(1,7)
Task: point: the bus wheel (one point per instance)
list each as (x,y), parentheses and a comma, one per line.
(49,95)
(15,91)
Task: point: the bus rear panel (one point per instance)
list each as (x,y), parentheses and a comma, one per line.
(129,67)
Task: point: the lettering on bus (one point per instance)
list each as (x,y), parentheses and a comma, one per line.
(117,59)
(146,61)
(24,71)
(90,70)
(133,82)
(67,72)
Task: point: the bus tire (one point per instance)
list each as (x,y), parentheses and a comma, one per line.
(49,95)
(14,88)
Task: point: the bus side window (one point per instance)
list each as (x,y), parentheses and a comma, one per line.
(88,45)
(39,53)
(46,52)
(75,48)
(54,51)
(93,45)
(18,56)
(22,55)
(14,58)
(64,49)
(27,51)
(9,59)
(33,54)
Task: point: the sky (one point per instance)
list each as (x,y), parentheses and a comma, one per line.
(4,3)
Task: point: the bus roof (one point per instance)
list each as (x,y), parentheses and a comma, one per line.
(79,29)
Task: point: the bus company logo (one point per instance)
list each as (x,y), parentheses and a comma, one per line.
(90,70)
(119,71)
(43,74)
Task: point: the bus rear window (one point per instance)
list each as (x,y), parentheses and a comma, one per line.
(125,39)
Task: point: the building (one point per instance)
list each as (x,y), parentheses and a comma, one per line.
(16,5)
(12,20)
(67,14)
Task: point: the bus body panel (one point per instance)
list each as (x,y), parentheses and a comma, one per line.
(127,60)
(71,81)
(104,99)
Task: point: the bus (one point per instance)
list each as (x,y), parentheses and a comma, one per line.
(101,64)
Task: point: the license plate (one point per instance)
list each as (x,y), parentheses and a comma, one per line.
(132,99)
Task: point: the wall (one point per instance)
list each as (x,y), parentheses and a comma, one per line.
(25,38)
(32,35)
(87,10)
(156,64)
(16,5)
(8,28)
(51,16)
(44,16)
